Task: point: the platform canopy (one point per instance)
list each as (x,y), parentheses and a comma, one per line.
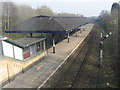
(49,24)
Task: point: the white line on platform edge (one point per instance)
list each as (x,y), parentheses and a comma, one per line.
(61,63)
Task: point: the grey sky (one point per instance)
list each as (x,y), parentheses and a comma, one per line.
(84,7)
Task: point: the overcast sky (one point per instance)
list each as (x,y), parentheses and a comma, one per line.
(84,7)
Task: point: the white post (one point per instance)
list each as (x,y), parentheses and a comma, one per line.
(101,56)
(44,44)
(101,35)
(53,46)
(68,38)
(101,51)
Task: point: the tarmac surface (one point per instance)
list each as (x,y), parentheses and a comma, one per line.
(37,74)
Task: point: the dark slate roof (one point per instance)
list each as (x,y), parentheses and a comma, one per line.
(28,41)
(24,42)
(48,24)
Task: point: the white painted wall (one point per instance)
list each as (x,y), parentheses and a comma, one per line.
(7,49)
(18,52)
(1,49)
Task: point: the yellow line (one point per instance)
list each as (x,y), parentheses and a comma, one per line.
(39,66)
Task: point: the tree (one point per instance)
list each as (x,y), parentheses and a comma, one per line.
(24,12)
(104,18)
(114,13)
(44,10)
(68,14)
(9,14)
(109,22)
(1,18)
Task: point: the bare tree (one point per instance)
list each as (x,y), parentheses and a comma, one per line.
(25,12)
(44,10)
(68,14)
(9,14)
(104,19)
(1,18)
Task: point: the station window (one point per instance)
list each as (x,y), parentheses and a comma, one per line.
(26,53)
(38,47)
(42,46)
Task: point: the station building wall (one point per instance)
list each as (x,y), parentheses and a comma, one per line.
(1,54)
(16,52)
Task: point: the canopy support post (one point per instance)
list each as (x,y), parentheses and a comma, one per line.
(68,38)
(31,35)
(44,45)
(53,44)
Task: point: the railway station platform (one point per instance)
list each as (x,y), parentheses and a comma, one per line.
(46,67)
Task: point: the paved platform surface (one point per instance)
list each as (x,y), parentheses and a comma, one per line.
(10,67)
(35,76)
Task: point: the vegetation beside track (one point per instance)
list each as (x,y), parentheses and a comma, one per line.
(108,22)
(109,72)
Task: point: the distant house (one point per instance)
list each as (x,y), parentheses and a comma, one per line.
(21,49)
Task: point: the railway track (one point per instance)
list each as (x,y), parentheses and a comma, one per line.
(68,74)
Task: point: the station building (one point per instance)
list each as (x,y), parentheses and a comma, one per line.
(25,48)
(21,49)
